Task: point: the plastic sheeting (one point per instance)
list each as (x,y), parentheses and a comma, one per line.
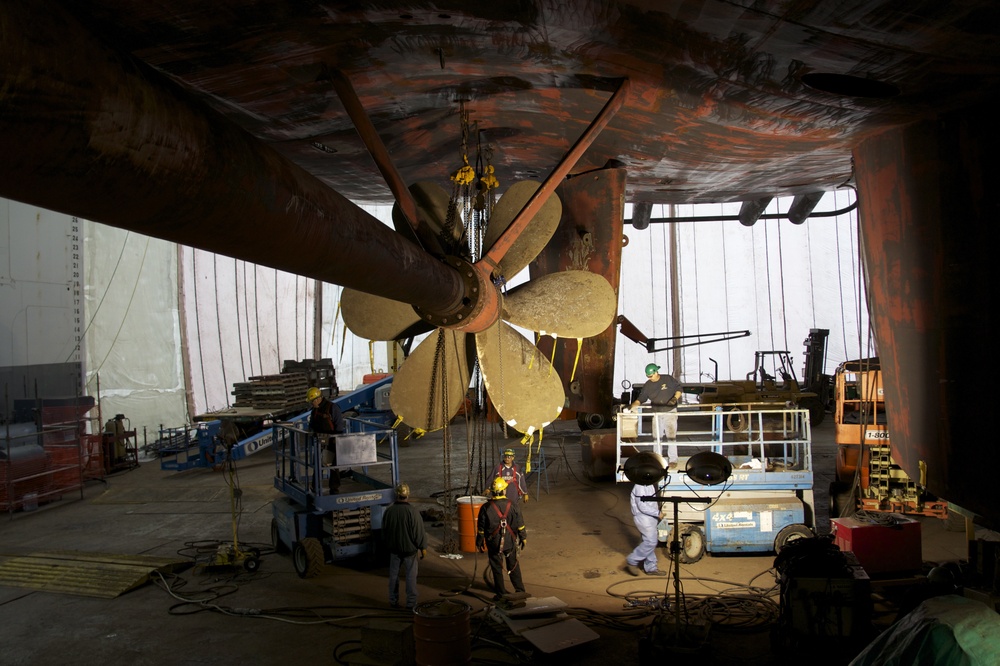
(131,329)
(240,321)
(775,279)
(944,631)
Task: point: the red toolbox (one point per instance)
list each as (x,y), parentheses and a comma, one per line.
(891,545)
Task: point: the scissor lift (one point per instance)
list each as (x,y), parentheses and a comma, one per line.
(767,502)
(315,525)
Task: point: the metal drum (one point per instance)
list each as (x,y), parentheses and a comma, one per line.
(441,633)
(468,516)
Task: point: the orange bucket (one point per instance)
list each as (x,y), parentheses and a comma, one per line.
(468,515)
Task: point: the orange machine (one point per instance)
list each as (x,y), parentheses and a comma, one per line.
(867,477)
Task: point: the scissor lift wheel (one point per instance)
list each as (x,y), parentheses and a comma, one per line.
(791,533)
(307,556)
(279,545)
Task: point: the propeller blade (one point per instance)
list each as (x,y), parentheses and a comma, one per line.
(538,233)
(524,388)
(432,206)
(375,317)
(569,304)
(418,388)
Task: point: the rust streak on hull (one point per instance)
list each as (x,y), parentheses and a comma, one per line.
(927,203)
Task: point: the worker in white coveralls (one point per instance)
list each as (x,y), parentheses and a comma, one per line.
(646,515)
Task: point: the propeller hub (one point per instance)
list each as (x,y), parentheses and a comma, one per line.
(479,307)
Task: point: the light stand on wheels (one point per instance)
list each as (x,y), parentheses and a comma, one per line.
(647,468)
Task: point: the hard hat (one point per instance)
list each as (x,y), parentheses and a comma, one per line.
(508,452)
(313,393)
(652,369)
(499,486)
(402,490)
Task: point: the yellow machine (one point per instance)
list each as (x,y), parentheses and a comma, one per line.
(867,477)
(773,381)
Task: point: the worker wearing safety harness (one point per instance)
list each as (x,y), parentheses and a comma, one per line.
(663,393)
(501,534)
(326,419)
(512,474)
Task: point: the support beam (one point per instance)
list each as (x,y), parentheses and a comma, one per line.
(120,144)
(538,199)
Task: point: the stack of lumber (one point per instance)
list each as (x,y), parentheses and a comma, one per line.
(320,374)
(272,392)
(287,390)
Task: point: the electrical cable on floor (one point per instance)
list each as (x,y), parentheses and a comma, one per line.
(738,613)
(876,518)
(203,601)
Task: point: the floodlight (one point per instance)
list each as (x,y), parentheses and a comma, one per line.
(708,468)
(645,468)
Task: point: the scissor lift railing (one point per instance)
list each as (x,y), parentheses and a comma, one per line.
(769,448)
(301,474)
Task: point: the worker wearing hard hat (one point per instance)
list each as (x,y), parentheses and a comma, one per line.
(500,533)
(326,419)
(406,541)
(663,392)
(509,471)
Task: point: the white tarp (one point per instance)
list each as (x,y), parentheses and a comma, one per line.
(775,279)
(132,334)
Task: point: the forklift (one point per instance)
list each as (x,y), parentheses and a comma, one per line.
(867,476)
(773,380)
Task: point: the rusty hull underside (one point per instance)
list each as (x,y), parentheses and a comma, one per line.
(717,109)
(217,125)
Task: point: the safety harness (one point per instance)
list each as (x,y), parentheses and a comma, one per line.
(502,525)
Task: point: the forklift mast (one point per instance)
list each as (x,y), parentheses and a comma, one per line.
(815,344)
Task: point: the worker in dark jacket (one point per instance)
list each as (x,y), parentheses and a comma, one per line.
(501,534)
(326,419)
(406,540)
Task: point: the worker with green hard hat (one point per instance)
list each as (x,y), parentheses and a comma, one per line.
(663,393)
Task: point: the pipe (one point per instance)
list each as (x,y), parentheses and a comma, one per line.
(500,247)
(89,132)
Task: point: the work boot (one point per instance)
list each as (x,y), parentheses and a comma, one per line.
(631,569)
(656,573)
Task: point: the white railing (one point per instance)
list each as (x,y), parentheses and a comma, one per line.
(767,446)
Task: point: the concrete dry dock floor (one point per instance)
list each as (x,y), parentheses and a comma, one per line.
(578,535)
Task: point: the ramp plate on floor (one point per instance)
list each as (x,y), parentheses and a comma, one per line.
(103,575)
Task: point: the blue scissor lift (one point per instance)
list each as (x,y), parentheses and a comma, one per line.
(319,527)
(767,501)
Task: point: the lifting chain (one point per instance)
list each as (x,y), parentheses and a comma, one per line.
(439,380)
